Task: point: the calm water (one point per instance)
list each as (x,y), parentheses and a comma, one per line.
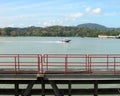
(53,45)
(49,45)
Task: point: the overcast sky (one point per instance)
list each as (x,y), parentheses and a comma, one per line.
(42,13)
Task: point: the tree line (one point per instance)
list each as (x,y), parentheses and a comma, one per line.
(63,31)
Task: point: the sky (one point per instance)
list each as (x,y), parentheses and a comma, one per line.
(43,13)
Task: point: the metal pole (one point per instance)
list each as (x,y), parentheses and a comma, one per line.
(55,88)
(43,87)
(16,89)
(66,64)
(96,88)
(114,65)
(38,65)
(15,66)
(69,88)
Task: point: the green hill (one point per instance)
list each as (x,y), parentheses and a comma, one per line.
(92,25)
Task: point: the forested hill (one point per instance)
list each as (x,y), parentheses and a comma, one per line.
(75,31)
(92,25)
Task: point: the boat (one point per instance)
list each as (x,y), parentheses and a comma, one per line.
(66,40)
(117,37)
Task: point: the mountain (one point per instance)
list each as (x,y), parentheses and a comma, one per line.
(92,25)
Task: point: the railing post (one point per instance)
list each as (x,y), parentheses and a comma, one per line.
(42,61)
(66,63)
(15,66)
(107,62)
(47,62)
(87,66)
(38,64)
(18,62)
(88,63)
(114,65)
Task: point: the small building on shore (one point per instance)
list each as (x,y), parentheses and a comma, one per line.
(105,36)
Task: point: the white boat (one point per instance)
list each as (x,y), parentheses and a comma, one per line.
(117,37)
(66,40)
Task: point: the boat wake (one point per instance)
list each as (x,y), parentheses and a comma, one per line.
(31,42)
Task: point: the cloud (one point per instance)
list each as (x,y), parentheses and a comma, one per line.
(96,11)
(93,11)
(88,9)
(74,16)
(51,22)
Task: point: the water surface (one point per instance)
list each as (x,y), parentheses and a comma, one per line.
(53,45)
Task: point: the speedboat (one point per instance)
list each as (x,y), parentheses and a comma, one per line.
(66,40)
(117,37)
